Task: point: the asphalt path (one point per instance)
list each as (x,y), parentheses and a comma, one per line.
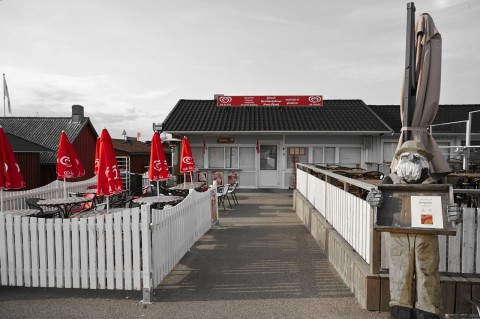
(259,262)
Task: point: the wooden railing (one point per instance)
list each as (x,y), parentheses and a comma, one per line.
(354,219)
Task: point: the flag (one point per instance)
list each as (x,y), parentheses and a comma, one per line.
(6,95)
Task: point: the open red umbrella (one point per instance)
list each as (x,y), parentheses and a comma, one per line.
(10,178)
(158,163)
(187,164)
(109,181)
(68,163)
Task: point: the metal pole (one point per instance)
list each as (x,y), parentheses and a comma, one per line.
(466,154)
(409,92)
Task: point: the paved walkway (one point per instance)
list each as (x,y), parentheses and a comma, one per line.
(259,262)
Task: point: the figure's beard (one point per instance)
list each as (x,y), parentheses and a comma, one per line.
(410,171)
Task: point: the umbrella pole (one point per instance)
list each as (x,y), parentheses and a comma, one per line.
(64,187)
(1,199)
(108,203)
(158,189)
(191,177)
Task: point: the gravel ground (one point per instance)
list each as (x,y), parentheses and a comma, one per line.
(259,262)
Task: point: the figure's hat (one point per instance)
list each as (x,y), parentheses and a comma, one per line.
(415,147)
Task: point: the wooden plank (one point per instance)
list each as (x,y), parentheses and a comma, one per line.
(42,252)
(127,249)
(10,250)
(454,249)
(384,292)
(59,266)
(67,253)
(442,247)
(136,249)
(75,253)
(17,231)
(448,292)
(50,253)
(468,240)
(101,249)
(83,253)
(110,252)
(146,248)
(117,220)
(463,292)
(3,251)
(92,251)
(475,280)
(27,263)
(34,252)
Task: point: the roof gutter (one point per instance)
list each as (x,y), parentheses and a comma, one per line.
(281,132)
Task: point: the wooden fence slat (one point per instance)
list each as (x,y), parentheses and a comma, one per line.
(146,248)
(27,264)
(110,251)
(67,253)
(59,265)
(101,249)
(137,284)
(84,281)
(3,251)
(92,251)
(42,252)
(10,250)
(17,229)
(127,249)
(75,253)
(468,240)
(117,220)
(50,253)
(34,252)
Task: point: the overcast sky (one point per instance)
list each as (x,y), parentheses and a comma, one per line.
(128,62)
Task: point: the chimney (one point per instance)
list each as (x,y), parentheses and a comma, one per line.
(77,113)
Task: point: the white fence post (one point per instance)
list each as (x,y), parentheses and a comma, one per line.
(146,255)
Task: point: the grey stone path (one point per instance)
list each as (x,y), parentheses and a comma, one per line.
(259,262)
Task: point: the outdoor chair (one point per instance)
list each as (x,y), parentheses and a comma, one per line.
(32,204)
(86,206)
(373,175)
(222,193)
(231,192)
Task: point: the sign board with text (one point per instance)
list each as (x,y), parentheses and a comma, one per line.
(282,100)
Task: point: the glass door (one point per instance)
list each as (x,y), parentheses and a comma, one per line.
(268,176)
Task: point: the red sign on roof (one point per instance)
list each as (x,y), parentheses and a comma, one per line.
(283,100)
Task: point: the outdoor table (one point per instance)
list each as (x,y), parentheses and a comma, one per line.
(187,185)
(22,212)
(63,204)
(95,213)
(158,200)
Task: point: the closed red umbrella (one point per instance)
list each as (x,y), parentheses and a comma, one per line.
(187,163)
(109,181)
(68,163)
(97,156)
(10,178)
(158,163)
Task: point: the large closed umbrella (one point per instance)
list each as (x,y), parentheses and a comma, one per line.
(109,181)
(10,177)
(158,163)
(68,163)
(187,163)
(423,107)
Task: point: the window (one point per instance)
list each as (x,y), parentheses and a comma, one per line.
(268,157)
(223,157)
(247,158)
(350,156)
(197,153)
(389,151)
(298,158)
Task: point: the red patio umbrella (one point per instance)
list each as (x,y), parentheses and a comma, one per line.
(10,178)
(158,163)
(187,163)
(68,163)
(109,181)
(97,156)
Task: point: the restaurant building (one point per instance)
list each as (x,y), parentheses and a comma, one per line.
(257,140)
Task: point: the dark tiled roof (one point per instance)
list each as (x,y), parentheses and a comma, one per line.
(334,116)
(446,114)
(44,131)
(19,144)
(132,147)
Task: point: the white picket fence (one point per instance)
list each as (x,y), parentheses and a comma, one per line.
(351,218)
(132,249)
(16,199)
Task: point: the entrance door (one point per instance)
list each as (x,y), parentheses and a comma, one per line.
(268,176)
